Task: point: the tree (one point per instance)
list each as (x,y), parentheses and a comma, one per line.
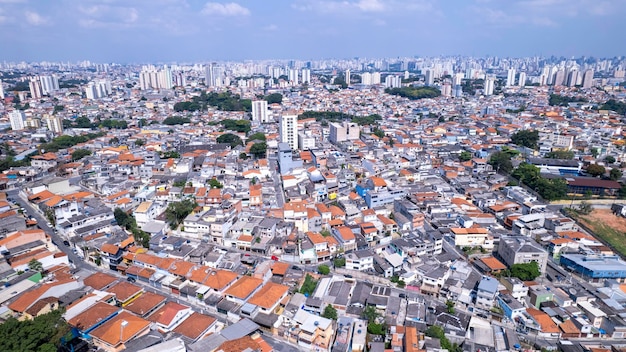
(526,138)
(79,154)
(595,170)
(176,120)
(114,141)
(214,183)
(370,314)
(258,149)
(309,285)
(176,212)
(379,133)
(595,152)
(615,174)
(585,208)
(465,156)
(259,136)
(450,306)
(609,159)
(525,271)
(501,161)
(330,312)
(323,269)
(414,93)
(123,219)
(140,142)
(231,139)
(170,154)
(339,262)
(274,98)
(243,156)
(41,334)
(377,329)
(35,265)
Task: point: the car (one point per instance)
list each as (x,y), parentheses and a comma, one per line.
(403,295)
(130,279)
(66,242)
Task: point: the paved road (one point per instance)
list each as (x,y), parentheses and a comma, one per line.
(42,222)
(280,194)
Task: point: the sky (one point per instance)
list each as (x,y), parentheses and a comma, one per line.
(139,31)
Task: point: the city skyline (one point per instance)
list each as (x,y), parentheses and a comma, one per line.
(178,30)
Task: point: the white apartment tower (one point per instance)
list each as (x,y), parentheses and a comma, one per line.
(259,111)
(588,79)
(510,77)
(16,117)
(1,90)
(289,129)
(347,77)
(293,78)
(522,79)
(35,88)
(489,85)
(306,76)
(55,124)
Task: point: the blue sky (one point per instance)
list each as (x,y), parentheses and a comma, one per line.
(128,31)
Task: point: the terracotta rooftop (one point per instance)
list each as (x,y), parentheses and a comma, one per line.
(93,315)
(112,332)
(145,303)
(124,290)
(244,287)
(99,280)
(268,295)
(167,313)
(195,325)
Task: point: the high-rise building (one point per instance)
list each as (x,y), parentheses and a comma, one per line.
(55,124)
(429,77)
(522,79)
(446,89)
(1,90)
(393,81)
(348,77)
(510,77)
(559,78)
(16,117)
(306,76)
(293,78)
(588,79)
(35,88)
(572,77)
(458,78)
(259,111)
(345,131)
(214,76)
(289,129)
(489,85)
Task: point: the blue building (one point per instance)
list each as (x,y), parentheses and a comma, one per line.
(596,267)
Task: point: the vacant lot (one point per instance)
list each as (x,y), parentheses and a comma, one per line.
(607,226)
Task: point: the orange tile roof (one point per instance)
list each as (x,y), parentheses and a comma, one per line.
(547,325)
(268,295)
(110,248)
(112,332)
(244,287)
(280,268)
(93,315)
(145,303)
(219,279)
(99,280)
(345,233)
(195,325)
(568,327)
(493,263)
(167,313)
(124,290)
(378,181)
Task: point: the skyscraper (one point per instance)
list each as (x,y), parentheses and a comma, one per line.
(259,111)
(559,78)
(293,78)
(489,85)
(572,77)
(510,77)
(35,88)
(588,79)
(522,79)
(306,76)
(429,77)
(16,117)
(289,129)
(348,77)
(214,76)
(1,90)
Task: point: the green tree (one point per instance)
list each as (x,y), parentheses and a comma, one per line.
(231,139)
(595,152)
(615,174)
(35,265)
(79,154)
(465,156)
(41,334)
(414,93)
(585,208)
(259,136)
(450,306)
(596,170)
(330,312)
(526,173)
(140,142)
(123,219)
(377,329)
(170,154)
(243,156)
(176,120)
(214,183)
(323,269)
(308,286)
(370,314)
(501,161)
(379,133)
(609,159)
(176,212)
(114,141)
(258,149)
(526,138)
(339,262)
(274,98)
(525,271)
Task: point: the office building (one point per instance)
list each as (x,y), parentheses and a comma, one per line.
(16,117)
(289,129)
(259,111)
(429,77)
(588,79)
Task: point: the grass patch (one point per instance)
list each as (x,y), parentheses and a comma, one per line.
(604,231)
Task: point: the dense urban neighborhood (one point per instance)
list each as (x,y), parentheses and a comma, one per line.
(406,204)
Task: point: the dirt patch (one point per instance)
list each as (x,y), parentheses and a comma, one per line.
(605,216)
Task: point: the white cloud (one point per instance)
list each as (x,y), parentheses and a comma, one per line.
(228,9)
(370,6)
(270,28)
(98,16)
(35,19)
